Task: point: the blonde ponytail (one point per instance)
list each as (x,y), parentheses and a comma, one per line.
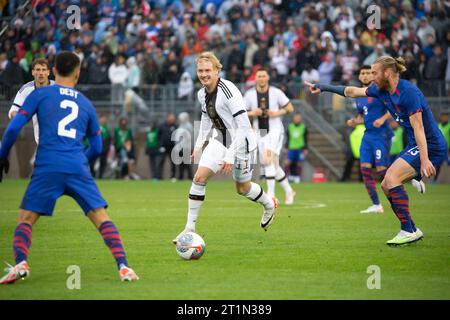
(398,65)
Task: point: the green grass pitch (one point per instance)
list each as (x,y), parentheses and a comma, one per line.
(318,248)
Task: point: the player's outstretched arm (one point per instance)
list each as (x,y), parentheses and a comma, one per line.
(11,133)
(351,92)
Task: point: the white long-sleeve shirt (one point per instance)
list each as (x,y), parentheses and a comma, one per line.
(118,74)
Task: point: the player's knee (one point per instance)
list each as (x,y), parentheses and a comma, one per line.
(389,182)
(242,188)
(199,179)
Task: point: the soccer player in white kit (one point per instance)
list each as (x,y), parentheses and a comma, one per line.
(223,110)
(267,105)
(40,69)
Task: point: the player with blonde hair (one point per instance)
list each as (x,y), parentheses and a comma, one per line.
(231,147)
(426,148)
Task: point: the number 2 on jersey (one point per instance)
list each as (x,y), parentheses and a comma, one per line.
(62,131)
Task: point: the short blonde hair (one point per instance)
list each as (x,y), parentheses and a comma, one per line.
(398,65)
(209,56)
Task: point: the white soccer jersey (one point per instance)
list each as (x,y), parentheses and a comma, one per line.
(23,93)
(276,101)
(224,110)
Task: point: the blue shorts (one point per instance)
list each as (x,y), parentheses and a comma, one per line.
(375,151)
(297,155)
(436,155)
(393,157)
(45,188)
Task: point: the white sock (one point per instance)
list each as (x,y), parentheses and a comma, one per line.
(270,179)
(196,198)
(257,194)
(280,176)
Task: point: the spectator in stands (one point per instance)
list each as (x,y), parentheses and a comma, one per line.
(166,145)
(236,57)
(378,52)
(424,30)
(184,139)
(185,87)
(150,71)
(428,48)
(133,28)
(261,56)
(435,71)
(118,74)
(98,71)
(326,68)
(152,149)
(171,69)
(234,74)
(250,49)
(185,29)
(412,71)
(279,60)
(125,150)
(106,144)
(219,28)
(133,101)
(311,75)
(349,65)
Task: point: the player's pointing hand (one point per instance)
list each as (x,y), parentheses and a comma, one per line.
(312,87)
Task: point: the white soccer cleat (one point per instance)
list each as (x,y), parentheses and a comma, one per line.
(402,238)
(174,241)
(269,215)
(419,234)
(19,271)
(290,197)
(127,274)
(418,185)
(375,208)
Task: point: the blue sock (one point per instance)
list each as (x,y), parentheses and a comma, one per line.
(370,184)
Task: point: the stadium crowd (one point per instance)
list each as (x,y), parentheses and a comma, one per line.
(133,42)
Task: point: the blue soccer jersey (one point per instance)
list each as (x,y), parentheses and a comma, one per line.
(65,116)
(376,141)
(406,101)
(372,109)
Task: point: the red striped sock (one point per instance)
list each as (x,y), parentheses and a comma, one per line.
(22,241)
(400,205)
(113,240)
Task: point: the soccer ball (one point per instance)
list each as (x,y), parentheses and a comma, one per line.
(190,246)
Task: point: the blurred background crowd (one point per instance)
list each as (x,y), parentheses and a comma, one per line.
(134,42)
